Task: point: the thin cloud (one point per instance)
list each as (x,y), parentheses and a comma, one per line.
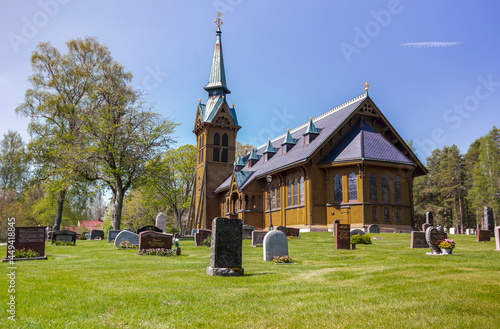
(432,44)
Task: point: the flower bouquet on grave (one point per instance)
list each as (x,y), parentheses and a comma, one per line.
(282,259)
(177,247)
(446,244)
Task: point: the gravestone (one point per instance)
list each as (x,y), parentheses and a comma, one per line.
(161,221)
(373,229)
(343,236)
(418,240)
(200,236)
(112,235)
(95,234)
(258,237)
(247,231)
(497,238)
(64,235)
(293,232)
(425,226)
(123,236)
(275,244)
(226,248)
(30,238)
(282,229)
(432,236)
(488,220)
(357,231)
(194,231)
(149,228)
(335,222)
(429,218)
(483,235)
(452,230)
(155,240)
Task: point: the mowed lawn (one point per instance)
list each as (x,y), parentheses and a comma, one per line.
(383,285)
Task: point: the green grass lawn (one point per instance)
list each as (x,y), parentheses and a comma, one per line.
(383,285)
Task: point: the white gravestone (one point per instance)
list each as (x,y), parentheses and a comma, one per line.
(161,221)
(497,238)
(275,244)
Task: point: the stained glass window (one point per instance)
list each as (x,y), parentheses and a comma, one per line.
(338,188)
(373,187)
(295,192)
(385,188)
(397,190)
(353,188)
(301,190)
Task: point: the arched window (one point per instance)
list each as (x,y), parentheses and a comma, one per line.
(352,187)
(373,187)
(253,206)
(216,139)
(289,201)
(273,198)
(216,149)
(202,140)
(337,182)
(278,197)
(295,192)
(247,203)
(397,190)
(385,188)
(301,190)
(224,140)
(224,155)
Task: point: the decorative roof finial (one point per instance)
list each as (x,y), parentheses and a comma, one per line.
(218,21)
(366,85)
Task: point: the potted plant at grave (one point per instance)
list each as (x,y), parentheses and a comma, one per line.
(177,246)
(446,246)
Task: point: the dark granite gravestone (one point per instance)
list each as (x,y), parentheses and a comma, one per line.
(155,240)
(488,220)
(418,240)
(226,248)
(64,235)
(247,231)
(342,236)
(161,221)
(275,245)
(96,235)
(483,235)
(149,228)
(282,229)
(293,232)
(123,236)
(357,231)
(29,238)
(497,238)
(429,218)
(112,235)
(258,237)
(373,229)
(200,236)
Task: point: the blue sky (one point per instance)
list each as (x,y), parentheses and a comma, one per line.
(433,66)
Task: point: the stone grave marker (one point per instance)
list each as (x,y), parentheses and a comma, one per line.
(194,231)
(155,240)
(161,221)
(335,222)
(64,235)
(483,235)
(488,220)
(293,232)
(429,218)
(149,228)
(123,236)
(418,240)
(275,244)
(258,237)
(30,238)
(452,230)
(226,247)
(356,231)
(95,234)
(112,235)
(432,236)
(342,236)
(470,231)
(200,236)
(247,231)
(373,229)
(497,238)
(425,226)
(282,229)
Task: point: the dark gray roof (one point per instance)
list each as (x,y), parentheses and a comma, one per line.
(363,142)
(327,123)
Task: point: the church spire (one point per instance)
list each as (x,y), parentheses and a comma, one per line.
(217,79)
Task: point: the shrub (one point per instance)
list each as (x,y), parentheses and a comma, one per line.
(360,239)
(207,242)
(23,253)
(62,243)
(82,236)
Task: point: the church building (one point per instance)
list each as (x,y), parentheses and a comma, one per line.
(347,164)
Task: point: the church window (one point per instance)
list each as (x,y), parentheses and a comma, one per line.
(337,182)
(278,197)
(385,188)
(306,140)
(216,154)
(289,201)
(374,214)
(253,205)
(273,200)
(399,216)
(216,149)
(301,190)
(295,192)
(387,217)
(373,187)
(397,190)
(247,203)
(225,140)
(224,155)
(352,187)
(216,139)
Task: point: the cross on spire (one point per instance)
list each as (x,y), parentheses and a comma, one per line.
(218,21)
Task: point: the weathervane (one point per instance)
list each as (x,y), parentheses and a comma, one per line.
(218,21)
(367,86)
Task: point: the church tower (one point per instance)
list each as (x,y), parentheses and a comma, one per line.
(215,128)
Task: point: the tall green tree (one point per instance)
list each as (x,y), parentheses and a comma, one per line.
(14,162)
